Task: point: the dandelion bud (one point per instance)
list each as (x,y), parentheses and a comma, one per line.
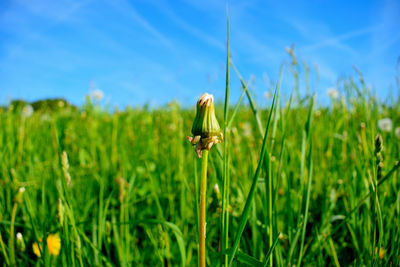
(19,197)
(216,189)
(108,228)
(206,131)
(205,124)
(20,242)
(217,192)
(108,231)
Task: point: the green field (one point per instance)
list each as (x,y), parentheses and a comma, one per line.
(121,188)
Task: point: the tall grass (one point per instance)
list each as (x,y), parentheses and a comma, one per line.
(119,187)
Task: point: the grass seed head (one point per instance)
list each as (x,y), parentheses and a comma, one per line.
(378,155)
(60,212)
(65,167)
(378,144)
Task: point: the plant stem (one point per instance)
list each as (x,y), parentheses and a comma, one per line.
(271,233)
(202,218)
(11,245)
(4,250)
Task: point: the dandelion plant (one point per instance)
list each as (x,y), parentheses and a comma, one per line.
(206,132)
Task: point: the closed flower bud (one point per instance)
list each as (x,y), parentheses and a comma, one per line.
(205,124)
(108,231)
(216,189)
(20,242)
(108,228)
(19,197)
(206,131)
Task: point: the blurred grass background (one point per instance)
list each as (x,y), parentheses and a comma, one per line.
(124,191)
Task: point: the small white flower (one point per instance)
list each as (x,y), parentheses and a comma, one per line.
(268,94)
(385,125)
(27,111)
(397,132)
(97,94)
(333,93)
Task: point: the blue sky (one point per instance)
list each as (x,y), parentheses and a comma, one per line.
(157,51)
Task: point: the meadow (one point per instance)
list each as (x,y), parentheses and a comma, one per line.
(121,188)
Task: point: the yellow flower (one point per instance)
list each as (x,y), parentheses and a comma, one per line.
(53,245)
(381,252)
(36,250)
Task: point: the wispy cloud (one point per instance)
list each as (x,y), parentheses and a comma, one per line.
(200,35)
(388,15)
(319,35)
(22,27)
(258,51)
(128,9)
(337,41)
(54,12)
(326,72)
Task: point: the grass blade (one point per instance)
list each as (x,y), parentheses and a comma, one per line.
(251,101)
(246,210)
(225,192)
(267,257)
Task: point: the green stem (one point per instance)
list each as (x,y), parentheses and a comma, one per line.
(271,233)
(4,250)
(202,219)
(11,246)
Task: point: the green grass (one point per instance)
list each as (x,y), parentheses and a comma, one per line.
(302,191)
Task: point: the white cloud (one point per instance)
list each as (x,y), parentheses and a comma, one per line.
(202,36)
(127,8)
